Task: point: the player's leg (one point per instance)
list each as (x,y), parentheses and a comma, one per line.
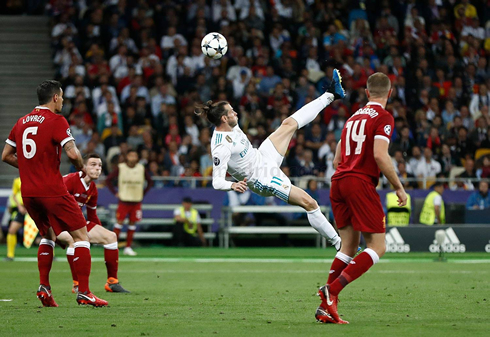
(65,215)
(107,238)
(316,218)
(12,238)
(66,239)
(135,216)
(37,211)
(282,136)
(121,214)
(44,263)
(367,216)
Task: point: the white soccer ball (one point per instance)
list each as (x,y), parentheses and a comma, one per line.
(214,45)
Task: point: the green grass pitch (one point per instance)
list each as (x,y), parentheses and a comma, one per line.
(251,292)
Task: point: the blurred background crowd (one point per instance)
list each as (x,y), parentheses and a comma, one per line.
(132,71)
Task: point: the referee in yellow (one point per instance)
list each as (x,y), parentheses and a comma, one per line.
(18,213)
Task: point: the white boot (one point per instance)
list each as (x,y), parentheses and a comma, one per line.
(129,251)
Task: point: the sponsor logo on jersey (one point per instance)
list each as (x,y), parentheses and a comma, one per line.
(216,161)
(388,129)
(395,242)
(451,244)
(228,138)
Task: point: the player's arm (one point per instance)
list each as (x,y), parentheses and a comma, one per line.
(9,155)
(110,178)
(338,156)
(437,210)
(74,154)
(221,156)
(149,182)
(385,164)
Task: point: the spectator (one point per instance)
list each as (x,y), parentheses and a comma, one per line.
(188,229)
(428,168)
(479,199)
(469,174)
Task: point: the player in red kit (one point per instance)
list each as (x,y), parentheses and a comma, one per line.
(34,146)
(361,153)
(85,192)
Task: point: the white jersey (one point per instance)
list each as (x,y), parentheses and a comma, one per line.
(233,153)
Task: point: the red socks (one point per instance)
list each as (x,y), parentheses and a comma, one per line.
(354,270)
(339,263)
(70,255)
(117,230)
(83,263)
(129,238)
(45,260)
(111,256)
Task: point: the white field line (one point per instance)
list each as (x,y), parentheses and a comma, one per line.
(253,260)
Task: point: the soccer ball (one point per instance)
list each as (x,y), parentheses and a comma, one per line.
(214,45)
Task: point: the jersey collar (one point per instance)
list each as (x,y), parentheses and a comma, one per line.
(83,181)
(42,107)
(375,103)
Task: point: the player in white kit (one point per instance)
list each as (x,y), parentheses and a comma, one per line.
(259,169)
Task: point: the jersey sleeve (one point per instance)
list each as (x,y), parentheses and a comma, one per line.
(62,132)
(11,138)
(221,156)
(384,127)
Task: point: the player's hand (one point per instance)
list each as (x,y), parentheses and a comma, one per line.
(240,186)
(21,209)
(402,197)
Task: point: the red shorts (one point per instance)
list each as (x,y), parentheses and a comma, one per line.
(129,209)
(91,225)
(355,202)
(61,213)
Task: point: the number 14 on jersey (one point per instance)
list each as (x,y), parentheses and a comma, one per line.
(356,135)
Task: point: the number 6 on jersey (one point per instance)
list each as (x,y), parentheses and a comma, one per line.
(27,141)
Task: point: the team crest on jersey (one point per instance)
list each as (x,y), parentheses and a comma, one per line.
(228,138)
(388,129)
(68,132)
(216,161)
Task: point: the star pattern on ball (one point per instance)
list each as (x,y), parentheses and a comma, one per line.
(220,49)
(216,36)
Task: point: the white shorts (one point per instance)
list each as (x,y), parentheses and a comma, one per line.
(269,180)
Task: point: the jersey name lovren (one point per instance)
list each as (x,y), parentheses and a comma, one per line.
(357,142)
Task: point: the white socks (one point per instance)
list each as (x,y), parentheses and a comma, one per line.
(47,242)
(343,257)
(308,113)
(318,221)
(111,246)
(373,254)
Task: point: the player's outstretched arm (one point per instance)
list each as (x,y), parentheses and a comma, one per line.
(73,153)
(386,166)
(9,155)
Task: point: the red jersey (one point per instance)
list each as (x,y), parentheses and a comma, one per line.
(357,142)
(38,138)
(85,195)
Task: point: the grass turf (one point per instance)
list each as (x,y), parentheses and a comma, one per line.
(252,292)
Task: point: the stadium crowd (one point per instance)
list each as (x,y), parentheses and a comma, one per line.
(132,71)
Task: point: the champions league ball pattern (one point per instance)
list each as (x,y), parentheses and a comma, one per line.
(214,45)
